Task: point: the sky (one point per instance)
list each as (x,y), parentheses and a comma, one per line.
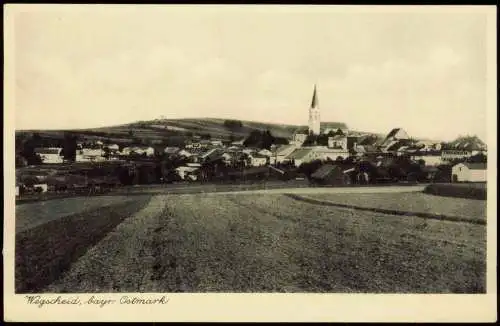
(375,69)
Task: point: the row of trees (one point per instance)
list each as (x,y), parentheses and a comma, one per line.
(263,139)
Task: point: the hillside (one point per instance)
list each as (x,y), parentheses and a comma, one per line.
(171,130)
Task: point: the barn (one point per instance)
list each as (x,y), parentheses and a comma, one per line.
(330,174)
(469,172)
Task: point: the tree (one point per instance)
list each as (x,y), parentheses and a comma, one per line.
(28,149)
(69,147)
(233,124)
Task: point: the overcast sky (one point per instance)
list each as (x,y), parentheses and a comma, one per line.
(93,65)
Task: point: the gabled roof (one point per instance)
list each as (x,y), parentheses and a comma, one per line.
(257,155)
(324,171)
(283,149)
(300,153)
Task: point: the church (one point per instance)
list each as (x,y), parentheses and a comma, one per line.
(315,126)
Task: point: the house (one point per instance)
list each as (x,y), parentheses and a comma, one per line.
(184,153)
(89,155)
(301,155)
(184,171)
(238,142)
(216,142)
(300,136)
(50,155)
(330,174)
(280,153)
(430,172)
(265,152)
(113,147)
(337,141)
(248,151)
(210,154)
(396,138)
(324,153)
(258,160)
(139,150)
(41,187)
(227,158)
(469,172)
(455,154)
(171,150)
(429,159)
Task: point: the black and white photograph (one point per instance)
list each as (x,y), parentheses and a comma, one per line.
(165,150)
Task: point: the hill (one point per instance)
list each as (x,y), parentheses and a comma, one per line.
(171,131)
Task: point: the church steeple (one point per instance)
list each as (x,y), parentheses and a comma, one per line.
(314,116)
(314,102)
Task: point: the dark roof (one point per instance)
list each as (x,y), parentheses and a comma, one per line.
(324,171)
(314,102)
(393,132)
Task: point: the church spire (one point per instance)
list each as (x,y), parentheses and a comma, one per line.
(314,102)
(314,115)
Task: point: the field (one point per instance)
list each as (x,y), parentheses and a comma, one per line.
(256,243)
(469,209)
(476,191)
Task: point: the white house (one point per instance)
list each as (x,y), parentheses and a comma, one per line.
(338,141)
(216,142)
(258,160)
(184,171)
(469,172)
(113,147)
(184,153)
(430,160)
(50,155)
(299,138)
(148,151)
(43,186)
(89,155)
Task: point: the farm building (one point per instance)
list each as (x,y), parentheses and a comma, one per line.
(50,155)
(330,174)
(469,172)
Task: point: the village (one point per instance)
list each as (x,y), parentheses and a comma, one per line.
(323,154)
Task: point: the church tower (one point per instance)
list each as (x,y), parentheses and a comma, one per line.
(314,117)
